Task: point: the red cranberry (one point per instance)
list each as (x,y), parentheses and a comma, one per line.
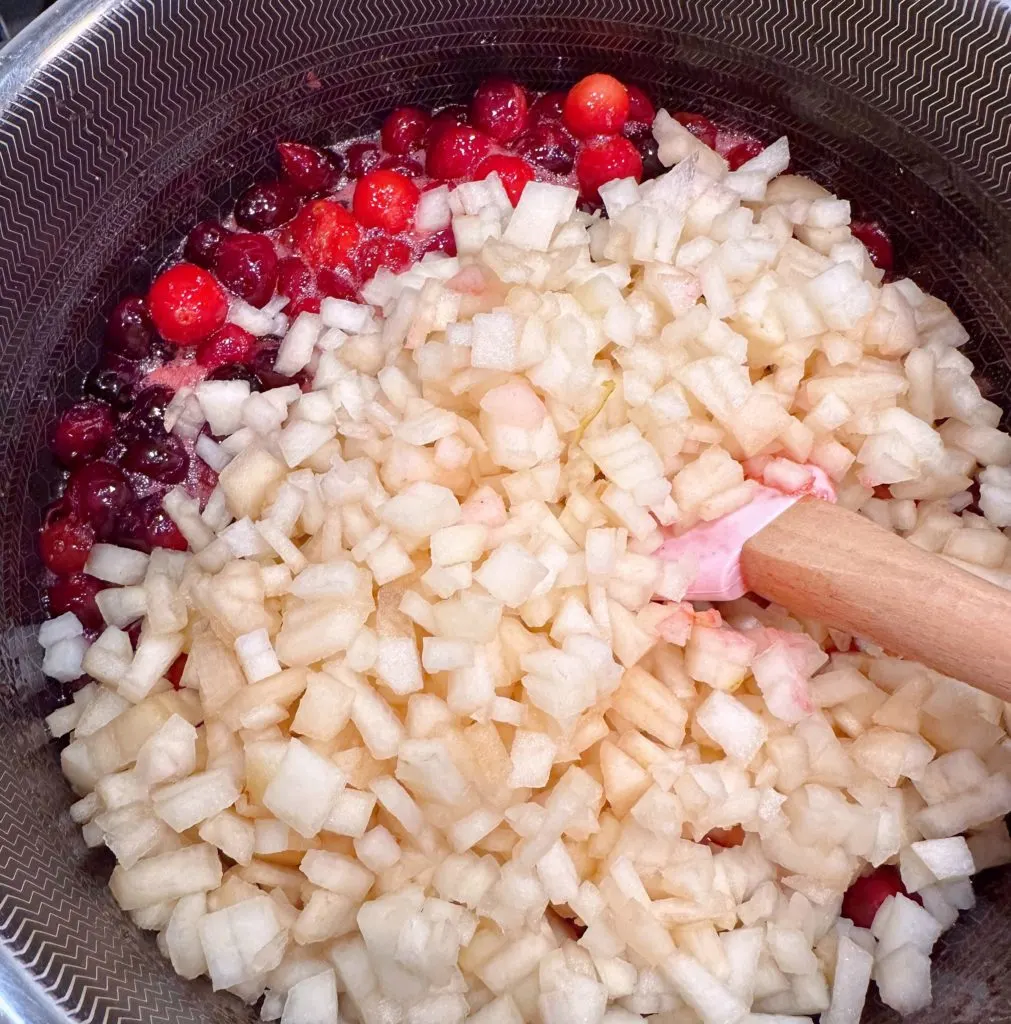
(404,130)
(513,171)
(186,304)
(83,432)
(362,158)
(385,199)
(876,241)
(247,266)
(455,152)
(308,169)
(129,330)
(65,541)
(98,493)
(325,234)
(77,594)
(640,106)
(548,108)
(203,243)
(236,371)
(701,127)
(147,417)
(441,241)
(112,384)
(174,674)
(294,279)
(596,105)
(266,205)
(549,146)
(310,304)
(499,109)
(865,896)
(335,284)
(743,152)
(230,344)
(382,251)
(130,530)
(605,159)
(161,531)
(402,165)
(641,137)
(263,365)
(161,458)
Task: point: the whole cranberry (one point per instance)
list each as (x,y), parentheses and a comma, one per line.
(336,284)
(186,304)
(701,127)
(499,109)
(65,541)
(381,251)
(326,234)
(77,594)
(865,896)
(83,432)
(230,344)
(308,169)
(97,493)
(362,157)
(605,159)
(404,130)
(441,241)
(455,152)
(247,267)
(130,330)
(743,152)
(402,165)
(548,108)
(386,199)
(266,205)
(161,531)
(640,106)
(310,304)
(263,365)
(147,417)
(161,458)
(549,146)
(513,171)
(876,242)
(130,530)
(596,105)
(112,383)
(236,371)
(203,243)
(641,136)
(294,279)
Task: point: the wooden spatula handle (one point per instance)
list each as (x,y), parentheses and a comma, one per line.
(826,563)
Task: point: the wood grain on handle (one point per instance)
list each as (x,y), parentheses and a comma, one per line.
(826,563)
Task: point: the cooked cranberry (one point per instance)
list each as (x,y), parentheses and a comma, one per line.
(309,169)
(499,109)
(385,199)
(336,284)
(549,146)
(129,330)
(203,243)
(147,417)
(130,530)
(174,674)
(865,896)
(640,106)
(743,152)
(605,159)
(230,344)
(98,493)
(161,531)
(641,137)
(236,371)
(404,130)
(513,171)
(876,241)
(65,541)
(112,384)
(362,158)
(266,205)
(83,432)
(548,108)
(402,165)
(247,266)
(263,364)
(294,279)
(441,241)
(325,234)
(382,251)
(596,105)
(310,304)
(77,594)
(701,127)
(160,458)
(455,152)
(186,304)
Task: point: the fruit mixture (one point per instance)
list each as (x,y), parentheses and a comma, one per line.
(381,684)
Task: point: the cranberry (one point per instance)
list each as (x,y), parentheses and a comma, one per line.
(65,541)
(310,304)
(455,152)
(604,159)
(266,205)
(174,674)
(130,530)
(83,432)
(161,531)
(203,243)
(876,241)
(725,837)
(404,130)
(701,127)
(236,371)
(385,199)
(147,417)
(336,285)
(230,344)
(263,365)
(382,251)
(77,594)
(549,146)
(513,171)
(596,105)
(325,234)
(308,169)
(362,158)
(641,136)
(294,279)
(640,106)
(499,109)
(441,241)
(247,266)
(112,384)
(402,165)
(129,330)
(186,304)
(97,493)
(867,893)
(161,458)
(548,108)
(743,152)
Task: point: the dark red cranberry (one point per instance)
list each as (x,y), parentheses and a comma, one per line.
(605,159)
(642,138)
(130,530)
(130,330)
(362,157)
(161,531)
(160,458)
(112,384)
(203,243)
(310,304)
(382,251)
(175,671)
(231,344)
(186,304)
(309,169)
(441,241)
(65,541)
(701,127)
(548,108)
(294,279)
(499,109)
(549,146)
(247,266)
(743,152)
(876,242)
(336,285)
(640,106)
(513,171)
(402,165)
(865,896)
(455,152)
(266,205)
(83,432)
(404,130)
(147,417)
(98,493)
(236,371)
(77,594)
(263,365)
